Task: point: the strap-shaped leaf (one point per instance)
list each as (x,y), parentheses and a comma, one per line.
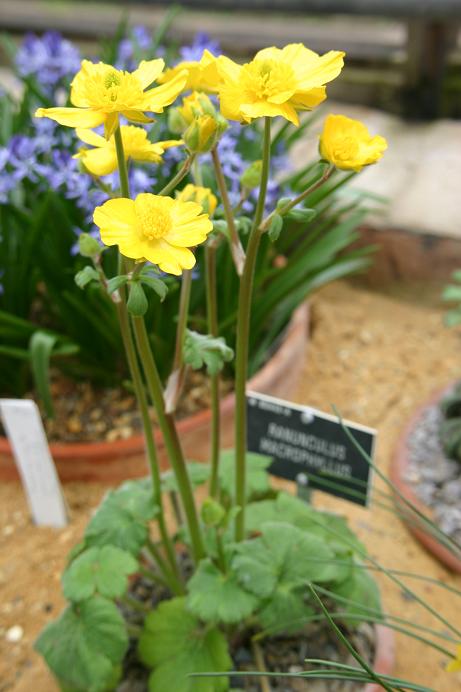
(40,348)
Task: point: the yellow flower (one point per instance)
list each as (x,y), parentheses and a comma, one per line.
(155,228)
(202,75)
(347,144)
(278,81)
(100,93)
(455,665)
(201,195)
(102,160)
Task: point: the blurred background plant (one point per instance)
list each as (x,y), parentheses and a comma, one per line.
(45,203)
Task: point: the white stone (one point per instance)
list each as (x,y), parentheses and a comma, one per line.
(14,634)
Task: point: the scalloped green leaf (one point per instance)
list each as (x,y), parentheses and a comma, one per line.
(102,570)
(257,478)
(217,597)
(205,350)
(198,474)
(175,644)
(85,646)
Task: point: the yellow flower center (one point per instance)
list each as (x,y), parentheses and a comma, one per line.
(265,78)
(154,221)
(111,90)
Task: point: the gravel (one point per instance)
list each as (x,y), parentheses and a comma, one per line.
(435,479)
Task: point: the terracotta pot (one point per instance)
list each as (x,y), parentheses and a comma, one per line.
(384,661)
(112,462)
(399,465)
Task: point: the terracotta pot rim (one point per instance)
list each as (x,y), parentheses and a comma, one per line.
(384,660)
(135,443)
(398,466)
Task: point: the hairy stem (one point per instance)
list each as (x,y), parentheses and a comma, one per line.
(180,175)
(212,317)
(237,251)
(170,436)
(243,331)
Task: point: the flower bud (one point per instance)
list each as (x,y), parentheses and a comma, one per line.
(203,133)
(200,195)
(212,513)
(88,246)
(251,177)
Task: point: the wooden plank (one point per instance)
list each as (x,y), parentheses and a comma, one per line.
(240,34)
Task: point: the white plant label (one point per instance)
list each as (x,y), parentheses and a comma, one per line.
(24,428)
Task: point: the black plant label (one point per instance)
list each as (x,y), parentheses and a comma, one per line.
(311,447)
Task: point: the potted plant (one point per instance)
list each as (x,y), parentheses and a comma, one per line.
(48,322)
(238,576)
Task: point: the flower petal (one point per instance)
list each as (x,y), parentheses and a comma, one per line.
(72,117)
(100,161)
(148,71)
(117,221)
(90,137)
(306,100)
(137,117)
(326,68)
(171,259)
(159,97)
(263,108)
(110,124)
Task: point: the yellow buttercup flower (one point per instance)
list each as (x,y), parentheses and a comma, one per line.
(156,228)
(201,195)
(278,81)
(202,75)
(102,160)
(347,144)
(100,93)
(455,664)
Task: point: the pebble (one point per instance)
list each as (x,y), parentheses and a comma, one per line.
(14,634)
(435,478)
(74,424)
(8,530)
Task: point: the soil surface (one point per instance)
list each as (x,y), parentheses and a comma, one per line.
(83,413)
(376,357)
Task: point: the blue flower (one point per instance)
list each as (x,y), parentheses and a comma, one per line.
(201,42)
(50,59)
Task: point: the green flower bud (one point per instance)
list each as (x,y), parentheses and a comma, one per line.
(251,177)
(88,246)
(212,513)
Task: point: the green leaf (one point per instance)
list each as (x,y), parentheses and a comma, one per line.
(452,293)
(136,497)
(41,346)
(85,646)
(198,475)
(217,597)
(361,590)
(102,570)
(302,215)
(137,303)
(456,276)
(121,519)
(203,349)
(157,285)
(286,610)
(275,227)
(452,318)
(257,480)
(116,282)
(85,276)
(175,644)
(220,226)
(211,512)
(282,558)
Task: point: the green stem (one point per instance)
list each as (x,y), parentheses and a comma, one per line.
(180,175)
(176,379)
(122,167)
(243,331)
(212,317)
(170,435)
(136,376)
(237,251)
(300,198)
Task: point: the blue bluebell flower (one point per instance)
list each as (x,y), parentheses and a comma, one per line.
(51,59)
